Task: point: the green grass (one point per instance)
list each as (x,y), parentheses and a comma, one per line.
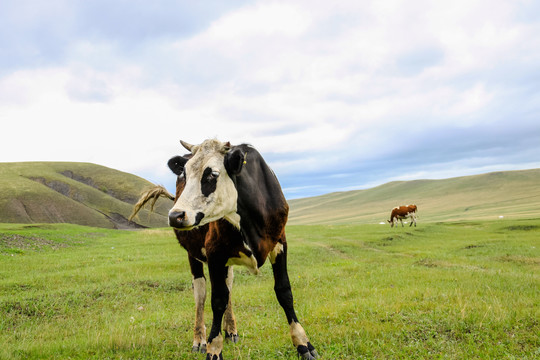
(456,290)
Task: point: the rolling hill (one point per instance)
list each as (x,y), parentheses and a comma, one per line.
(94,195)
(511,194)
(78,193)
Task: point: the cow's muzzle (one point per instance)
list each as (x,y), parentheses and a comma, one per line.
(180,220)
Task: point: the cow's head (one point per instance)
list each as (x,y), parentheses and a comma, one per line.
(209,193)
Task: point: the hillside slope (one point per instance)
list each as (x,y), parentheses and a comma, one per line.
(78,193)
(512,194)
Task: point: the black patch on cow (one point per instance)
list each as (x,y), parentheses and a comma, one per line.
(176,164)
(208,182)
(198,218)
(234,161)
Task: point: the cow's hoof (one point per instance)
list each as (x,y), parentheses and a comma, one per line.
(307,352)
(201,348)
(214,357)
(231,337)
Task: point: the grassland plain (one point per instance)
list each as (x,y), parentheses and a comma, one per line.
(453,290)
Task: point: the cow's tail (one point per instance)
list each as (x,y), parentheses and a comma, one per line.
(153,194)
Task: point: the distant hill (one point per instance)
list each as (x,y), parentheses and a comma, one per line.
(78,193)
(94,195)
(511,194)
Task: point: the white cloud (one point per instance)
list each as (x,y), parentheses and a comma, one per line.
(261,20)
(312,84)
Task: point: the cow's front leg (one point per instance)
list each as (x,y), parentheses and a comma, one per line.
(284,295)
(199,293)
(220,299)
(231,333)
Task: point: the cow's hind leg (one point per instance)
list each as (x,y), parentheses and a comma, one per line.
(231,333)
(284,295)
(199,293)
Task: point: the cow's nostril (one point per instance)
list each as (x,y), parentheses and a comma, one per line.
(176,218)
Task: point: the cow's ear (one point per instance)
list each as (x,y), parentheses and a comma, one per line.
(176,164)
(234,161)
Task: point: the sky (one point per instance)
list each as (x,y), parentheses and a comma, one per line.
(336,95)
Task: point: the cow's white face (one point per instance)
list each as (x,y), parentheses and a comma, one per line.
(209,193)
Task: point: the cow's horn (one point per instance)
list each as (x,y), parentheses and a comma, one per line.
(186,145)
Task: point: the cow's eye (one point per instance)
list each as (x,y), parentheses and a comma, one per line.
(210,175)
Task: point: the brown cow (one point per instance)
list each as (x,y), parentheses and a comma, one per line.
(403,212)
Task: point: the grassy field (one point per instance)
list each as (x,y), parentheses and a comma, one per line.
(453,290)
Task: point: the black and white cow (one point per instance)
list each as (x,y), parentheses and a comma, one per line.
(232,204)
